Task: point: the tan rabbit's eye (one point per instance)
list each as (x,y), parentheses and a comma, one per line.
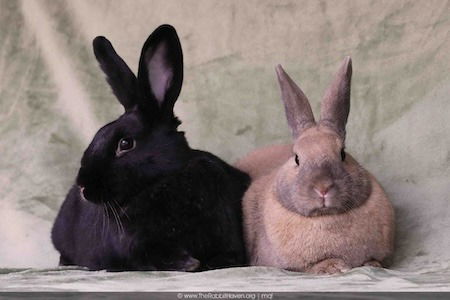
(125,145)
(296,160)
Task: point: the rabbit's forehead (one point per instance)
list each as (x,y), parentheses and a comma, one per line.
(131,119)
(318,139)
(125,124)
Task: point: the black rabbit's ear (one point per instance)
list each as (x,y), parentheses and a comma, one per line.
(119,76)
(160,72)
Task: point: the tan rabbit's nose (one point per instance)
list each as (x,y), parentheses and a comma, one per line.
(323,189)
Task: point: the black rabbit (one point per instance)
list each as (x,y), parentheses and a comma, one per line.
(143,199)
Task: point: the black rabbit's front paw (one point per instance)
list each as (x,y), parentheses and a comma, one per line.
(185,263)
(189,264)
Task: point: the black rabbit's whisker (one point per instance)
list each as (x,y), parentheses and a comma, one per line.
(117,219)
(103,223)
(107,218)
(121,209)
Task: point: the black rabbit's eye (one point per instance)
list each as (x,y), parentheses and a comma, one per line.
(296,160)
(125,145)
(342,154)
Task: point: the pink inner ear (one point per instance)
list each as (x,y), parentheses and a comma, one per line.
(160,73)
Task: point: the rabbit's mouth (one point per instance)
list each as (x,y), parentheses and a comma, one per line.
(326,210)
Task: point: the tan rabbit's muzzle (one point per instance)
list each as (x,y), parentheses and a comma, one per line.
(316,188)
(327,189)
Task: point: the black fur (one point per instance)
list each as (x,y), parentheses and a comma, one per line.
(162,205)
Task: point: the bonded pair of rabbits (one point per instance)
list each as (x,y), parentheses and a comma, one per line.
(144,200)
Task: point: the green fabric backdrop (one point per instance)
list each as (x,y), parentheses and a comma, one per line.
(53,98)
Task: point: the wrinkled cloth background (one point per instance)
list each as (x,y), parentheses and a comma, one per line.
(53,98)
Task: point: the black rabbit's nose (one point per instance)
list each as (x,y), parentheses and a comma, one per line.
(82,195)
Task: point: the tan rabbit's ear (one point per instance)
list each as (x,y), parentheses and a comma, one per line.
(336,102)
(298,111)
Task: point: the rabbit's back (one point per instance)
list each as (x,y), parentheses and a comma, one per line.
(264,160)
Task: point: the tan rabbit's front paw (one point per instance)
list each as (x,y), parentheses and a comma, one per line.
(329,266)
(373,263)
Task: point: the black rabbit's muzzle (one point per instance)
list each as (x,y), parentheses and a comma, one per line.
(91,185)
(91,195)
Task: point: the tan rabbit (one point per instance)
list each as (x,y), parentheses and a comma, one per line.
(311,206)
